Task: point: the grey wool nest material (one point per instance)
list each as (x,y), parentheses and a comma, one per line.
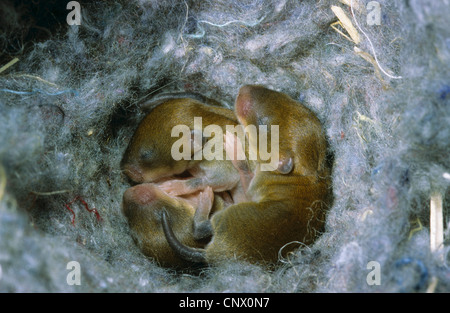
(69,107)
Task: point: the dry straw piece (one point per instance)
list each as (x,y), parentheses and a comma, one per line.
(9,64)
(436,222)
(346,23)
(2,182)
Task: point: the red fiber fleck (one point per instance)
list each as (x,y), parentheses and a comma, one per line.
(73,214)
(121,40)
(97,215)
(392,199)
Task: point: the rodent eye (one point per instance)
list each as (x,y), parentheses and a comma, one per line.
(146,155)
(263,120)
(286,166)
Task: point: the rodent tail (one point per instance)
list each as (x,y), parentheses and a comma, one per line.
(190,254)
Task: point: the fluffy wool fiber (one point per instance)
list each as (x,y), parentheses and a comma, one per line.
(70,104)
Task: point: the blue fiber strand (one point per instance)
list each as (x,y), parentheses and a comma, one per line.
(420,266)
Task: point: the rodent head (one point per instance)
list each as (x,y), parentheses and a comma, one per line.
(148,157)
(301,141)
(257,105)
(260,106)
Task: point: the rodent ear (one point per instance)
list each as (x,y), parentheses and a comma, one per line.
(149,105)
(286,165)
(244,104)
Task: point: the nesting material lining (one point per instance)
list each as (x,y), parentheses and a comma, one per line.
(69,105)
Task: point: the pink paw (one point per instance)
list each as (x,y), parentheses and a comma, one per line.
(173,187)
